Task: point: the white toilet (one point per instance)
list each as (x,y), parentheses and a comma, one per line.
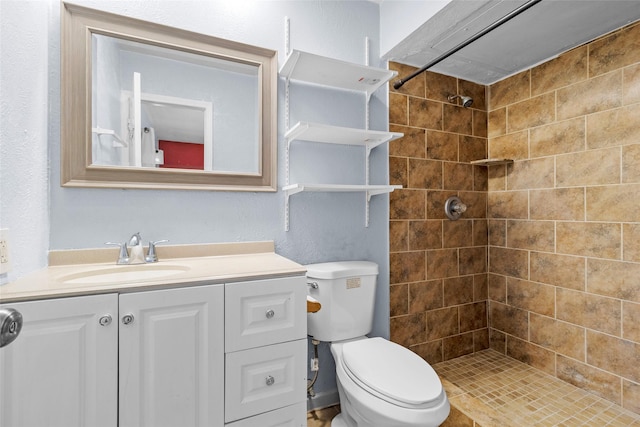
(380,383)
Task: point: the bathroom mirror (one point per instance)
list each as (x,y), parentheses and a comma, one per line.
(150,106)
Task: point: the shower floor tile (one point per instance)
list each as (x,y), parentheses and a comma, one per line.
(489,389)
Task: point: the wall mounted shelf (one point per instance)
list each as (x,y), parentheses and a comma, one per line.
(308,68)
(320,70)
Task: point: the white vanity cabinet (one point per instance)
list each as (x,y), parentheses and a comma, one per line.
(157,358)
(62,370)
(266,349)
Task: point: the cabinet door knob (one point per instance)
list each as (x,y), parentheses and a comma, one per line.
(10,325)
(270,313)
(127,319)
(270,380)
(105,320)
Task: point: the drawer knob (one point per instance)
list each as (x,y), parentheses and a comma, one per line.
(270,380)
(270,313)
(105,320)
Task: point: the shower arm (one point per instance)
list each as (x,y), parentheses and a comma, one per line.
(398,84)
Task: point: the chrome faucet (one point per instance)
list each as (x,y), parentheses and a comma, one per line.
(137,253)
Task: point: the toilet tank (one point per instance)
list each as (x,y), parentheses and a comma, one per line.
(346,291)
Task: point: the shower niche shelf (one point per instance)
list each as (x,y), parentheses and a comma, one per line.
(307,68)
(491,162)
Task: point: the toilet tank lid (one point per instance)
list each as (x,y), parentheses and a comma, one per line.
(341,269)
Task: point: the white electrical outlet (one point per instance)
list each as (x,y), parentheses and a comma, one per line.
(5,265)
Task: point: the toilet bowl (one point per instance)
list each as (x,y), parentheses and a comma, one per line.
(380,383)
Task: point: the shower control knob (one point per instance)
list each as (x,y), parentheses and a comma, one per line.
(454,207)
(270,313)
(270,380)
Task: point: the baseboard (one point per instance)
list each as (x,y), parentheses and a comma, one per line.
(323,400)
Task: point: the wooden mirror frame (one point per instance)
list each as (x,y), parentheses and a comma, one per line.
(77,170)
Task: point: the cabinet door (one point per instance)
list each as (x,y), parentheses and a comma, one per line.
(172,357)
(62,368)
(265,312)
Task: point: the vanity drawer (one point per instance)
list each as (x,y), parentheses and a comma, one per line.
(290,416)
(264,312)
(261,379)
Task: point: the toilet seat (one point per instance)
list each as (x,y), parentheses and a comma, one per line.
(412,383)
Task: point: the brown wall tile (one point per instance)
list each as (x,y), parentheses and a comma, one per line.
(473,316)
(615,51)
(509,262)
(398,300)
(631,84)
(558,270)
(497,123)
(593,167)
(458,290)
(415,86)
(424,114)
(457,233)
(590,96)
(473,148)
(528,174)
(561,337)
(511,320)
(407,267)
(412,144)
(475,91)
(398,109)
(457,345)
(442,145)
(442,263)
(398,171)
(439,86)
(425,235)
(508,204)
(589,310)
(558,138)
(398,236)
(532,112)
(631,396)
(531,354)
(497,288)
(442,323)
(613,203)
(531,296)
(614,355)
(630,323)
(563,204)
(613,128)
(631,242)
(614,279)
(532,235)
(430,351)
(513,146)
(602,240)
(457,176)
(425,174)
(473,260)
(510,90)
(408,330)
(631,163)
(424,296)
(568,68)
(480,125)
(588,378)
(457,119)
(407,204)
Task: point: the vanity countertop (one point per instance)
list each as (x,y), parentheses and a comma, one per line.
(94,271)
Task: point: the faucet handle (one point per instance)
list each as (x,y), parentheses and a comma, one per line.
(151,255)
(123,256)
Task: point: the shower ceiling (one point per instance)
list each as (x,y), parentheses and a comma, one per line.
(544,31)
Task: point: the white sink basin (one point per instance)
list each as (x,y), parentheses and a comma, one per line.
(124,274)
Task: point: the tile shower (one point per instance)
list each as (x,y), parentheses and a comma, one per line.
(544,267)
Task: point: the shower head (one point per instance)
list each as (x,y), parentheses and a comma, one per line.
(466,100)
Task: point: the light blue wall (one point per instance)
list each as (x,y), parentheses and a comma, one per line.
(324,227)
